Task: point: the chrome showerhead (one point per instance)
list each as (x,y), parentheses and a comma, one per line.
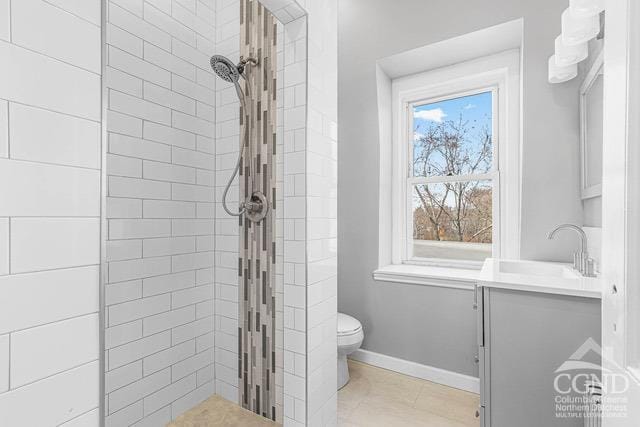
(225,69)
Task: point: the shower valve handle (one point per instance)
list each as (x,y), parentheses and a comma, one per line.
(253,206)
(256,207)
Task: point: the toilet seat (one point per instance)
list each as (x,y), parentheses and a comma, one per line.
(348,325)
(349,331)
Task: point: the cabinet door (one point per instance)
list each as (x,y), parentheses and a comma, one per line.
(528,335)
(483,421)
(478,304)
(484,355)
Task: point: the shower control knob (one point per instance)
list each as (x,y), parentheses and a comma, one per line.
(257,207)
(253,207)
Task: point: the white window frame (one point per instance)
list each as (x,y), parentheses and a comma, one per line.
(408,106)
(498,73)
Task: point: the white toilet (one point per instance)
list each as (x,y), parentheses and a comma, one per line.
(350,338)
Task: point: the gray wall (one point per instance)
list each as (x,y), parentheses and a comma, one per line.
(442,319)
(425,324)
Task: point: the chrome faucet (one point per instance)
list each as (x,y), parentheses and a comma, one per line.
(581,260)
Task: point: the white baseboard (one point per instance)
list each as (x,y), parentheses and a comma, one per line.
(425,372)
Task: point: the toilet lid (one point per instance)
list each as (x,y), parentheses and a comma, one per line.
(347,325)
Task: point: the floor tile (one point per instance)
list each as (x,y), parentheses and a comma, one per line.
(374,397)
(378,397)
(217,411)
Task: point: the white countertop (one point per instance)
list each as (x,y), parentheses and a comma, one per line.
(535,276)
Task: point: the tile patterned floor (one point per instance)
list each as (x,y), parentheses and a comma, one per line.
(377,397)
(374,397)
(218,412)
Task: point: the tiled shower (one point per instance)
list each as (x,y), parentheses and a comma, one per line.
(160,215)
(147,210)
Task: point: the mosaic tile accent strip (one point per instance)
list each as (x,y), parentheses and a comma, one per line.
(257,262)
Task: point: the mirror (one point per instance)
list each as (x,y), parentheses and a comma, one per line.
(591,132)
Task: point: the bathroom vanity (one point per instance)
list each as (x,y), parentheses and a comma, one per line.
(532,317)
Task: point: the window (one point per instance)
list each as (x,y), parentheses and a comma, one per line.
(451,177)
(455,181)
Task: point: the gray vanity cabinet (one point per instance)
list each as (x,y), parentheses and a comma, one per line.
(523,337)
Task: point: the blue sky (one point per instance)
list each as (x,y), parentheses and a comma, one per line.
(476,110)
(473,107)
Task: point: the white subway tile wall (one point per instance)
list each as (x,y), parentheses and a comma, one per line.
(306,227)
(167,318)
(50,212)
(292,170)
(160,250)
(227,228)
(321,201)
(278,233)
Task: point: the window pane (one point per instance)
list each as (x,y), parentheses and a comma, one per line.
(453,220)
(453,137)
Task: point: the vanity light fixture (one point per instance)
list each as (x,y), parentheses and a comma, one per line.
(577,30)
(558,74)
(580,23)
(568,55)
(586,8)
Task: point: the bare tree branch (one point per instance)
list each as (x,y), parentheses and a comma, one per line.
(453,210)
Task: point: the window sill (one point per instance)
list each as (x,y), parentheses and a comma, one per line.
(445,277)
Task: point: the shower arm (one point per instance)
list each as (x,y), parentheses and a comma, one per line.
(243,64)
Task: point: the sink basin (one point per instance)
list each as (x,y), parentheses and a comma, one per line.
(538,276)
(533,268)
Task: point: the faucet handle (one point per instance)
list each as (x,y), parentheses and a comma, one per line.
(590,268)
(577,261)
